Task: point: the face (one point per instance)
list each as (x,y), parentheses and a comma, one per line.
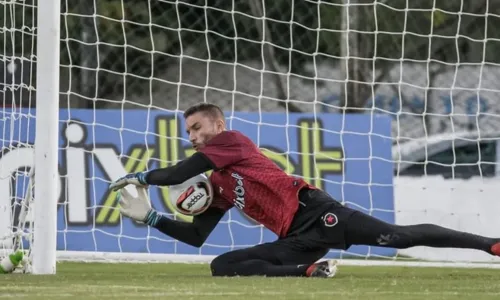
(201,128)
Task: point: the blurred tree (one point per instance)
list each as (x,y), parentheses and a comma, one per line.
(450,32)
(17,51)
(113,47)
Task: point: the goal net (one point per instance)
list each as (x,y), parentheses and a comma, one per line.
(390,106)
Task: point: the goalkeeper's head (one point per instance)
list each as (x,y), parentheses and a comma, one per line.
(203,122)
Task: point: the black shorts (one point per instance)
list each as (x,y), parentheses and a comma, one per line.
(319,226)
(320,221)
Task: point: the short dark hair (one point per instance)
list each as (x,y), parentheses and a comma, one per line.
(204,107)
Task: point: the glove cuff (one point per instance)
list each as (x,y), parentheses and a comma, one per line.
(141,177)
(152,218)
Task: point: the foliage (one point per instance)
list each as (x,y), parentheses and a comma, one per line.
(129,41)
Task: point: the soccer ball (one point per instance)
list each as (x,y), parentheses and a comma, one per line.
(193,196)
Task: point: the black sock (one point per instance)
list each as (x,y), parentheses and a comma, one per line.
(440,237)
(256,267)
(363,229)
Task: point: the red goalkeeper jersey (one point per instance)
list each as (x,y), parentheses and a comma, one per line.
(247,179)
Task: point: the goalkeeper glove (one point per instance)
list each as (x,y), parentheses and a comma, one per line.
(138,208)
(137,179)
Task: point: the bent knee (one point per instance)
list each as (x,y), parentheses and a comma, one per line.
(220,266)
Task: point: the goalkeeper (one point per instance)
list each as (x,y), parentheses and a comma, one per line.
(307,221)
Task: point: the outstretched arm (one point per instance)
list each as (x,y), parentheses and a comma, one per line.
(226,148)
(195,233)
(196,164)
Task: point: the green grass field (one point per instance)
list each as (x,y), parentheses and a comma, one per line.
(193,281)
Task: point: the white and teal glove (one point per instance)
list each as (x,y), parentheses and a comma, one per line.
(137,179)
(138,208)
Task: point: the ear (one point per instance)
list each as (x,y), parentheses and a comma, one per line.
(220,125)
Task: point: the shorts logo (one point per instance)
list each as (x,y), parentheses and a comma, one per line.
(330,219)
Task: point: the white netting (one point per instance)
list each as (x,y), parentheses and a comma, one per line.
(419,78)
(17,52)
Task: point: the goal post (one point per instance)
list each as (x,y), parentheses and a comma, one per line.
(389,106)
(46,137)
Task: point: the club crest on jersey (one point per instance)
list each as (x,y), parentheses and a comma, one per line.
(239,191)
(330,219)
